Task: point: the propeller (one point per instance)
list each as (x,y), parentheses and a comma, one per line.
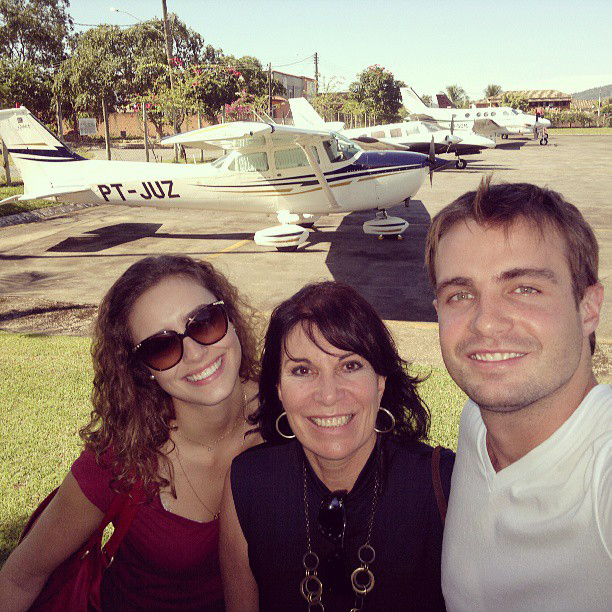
(452,129)
(431,160)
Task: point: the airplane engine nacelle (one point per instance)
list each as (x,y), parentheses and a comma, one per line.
(388,226)
(282,237)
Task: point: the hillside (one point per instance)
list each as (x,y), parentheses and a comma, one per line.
(605,91)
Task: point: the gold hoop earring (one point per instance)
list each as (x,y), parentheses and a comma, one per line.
(280,433)
(390,415)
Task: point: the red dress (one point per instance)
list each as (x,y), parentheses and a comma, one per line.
(165,562)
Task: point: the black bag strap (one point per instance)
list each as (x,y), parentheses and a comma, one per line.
(437,483)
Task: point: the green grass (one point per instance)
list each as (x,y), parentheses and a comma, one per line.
(580,130)
(13,208)
(44,400)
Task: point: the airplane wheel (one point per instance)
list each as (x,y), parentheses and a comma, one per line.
(289,249)
(460,164)
(543,141)
(307,224)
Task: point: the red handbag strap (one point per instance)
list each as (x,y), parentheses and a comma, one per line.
(437,483)
(125,510)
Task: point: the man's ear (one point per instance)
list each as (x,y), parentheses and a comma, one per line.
(590,307)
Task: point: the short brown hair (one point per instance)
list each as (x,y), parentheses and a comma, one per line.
(503,204)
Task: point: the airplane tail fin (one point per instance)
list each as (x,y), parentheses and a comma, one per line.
(34,149)
(443,101)
(412,102)
(305,116)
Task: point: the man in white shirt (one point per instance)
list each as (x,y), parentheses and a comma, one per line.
(529,524)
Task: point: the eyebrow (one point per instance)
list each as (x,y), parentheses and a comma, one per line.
(306,360)
(506,275)
(198,308)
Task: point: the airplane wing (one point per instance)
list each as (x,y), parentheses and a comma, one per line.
(484,124)
(241,135)
(47,193)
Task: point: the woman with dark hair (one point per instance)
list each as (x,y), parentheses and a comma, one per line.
(343,515)
(174,383)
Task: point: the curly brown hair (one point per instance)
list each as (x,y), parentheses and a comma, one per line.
(130,420)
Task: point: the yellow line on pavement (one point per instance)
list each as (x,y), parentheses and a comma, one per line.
(236,245)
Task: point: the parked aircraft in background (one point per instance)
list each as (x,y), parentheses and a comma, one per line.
(410,135)
(488,121)
(297,174)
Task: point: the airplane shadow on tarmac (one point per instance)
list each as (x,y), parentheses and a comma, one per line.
(389,273)
(103,238)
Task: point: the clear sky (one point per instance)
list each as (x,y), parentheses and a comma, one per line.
(544,44)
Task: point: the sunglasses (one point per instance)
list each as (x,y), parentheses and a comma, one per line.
(332,524)
(164,350)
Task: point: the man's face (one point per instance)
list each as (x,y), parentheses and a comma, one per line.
(510,331)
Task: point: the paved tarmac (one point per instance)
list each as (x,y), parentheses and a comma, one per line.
(76,256)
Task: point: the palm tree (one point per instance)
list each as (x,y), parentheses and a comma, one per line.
(455,94)
(492,90)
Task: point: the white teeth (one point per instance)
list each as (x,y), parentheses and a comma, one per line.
(495,356)
(209,371)
(338,421)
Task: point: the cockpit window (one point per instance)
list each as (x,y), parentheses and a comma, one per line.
(340,148)
(515,112)
(250,162)
(290,158)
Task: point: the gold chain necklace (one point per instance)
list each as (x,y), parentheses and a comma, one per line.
(215,515)
(211,446)
(362,579)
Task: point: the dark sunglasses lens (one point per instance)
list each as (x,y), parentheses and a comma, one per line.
(161,352)
(209,325)
(332,516)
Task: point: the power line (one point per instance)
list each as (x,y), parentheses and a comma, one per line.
(293,63)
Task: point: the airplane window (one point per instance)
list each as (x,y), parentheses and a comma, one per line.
(340,148)
(486,114)
(515,112)
(505,112)
(378,134)
(467,115)
(478,114)
(217,163)
(454,115)
(412,129)
(493,114)
(396,132)
(290,158)
(250,162)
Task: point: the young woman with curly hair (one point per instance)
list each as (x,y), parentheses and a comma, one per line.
(174,383)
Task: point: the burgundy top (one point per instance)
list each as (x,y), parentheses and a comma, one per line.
(165,562)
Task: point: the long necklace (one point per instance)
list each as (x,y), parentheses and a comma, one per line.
(211,446)
(362,579)
(215,515)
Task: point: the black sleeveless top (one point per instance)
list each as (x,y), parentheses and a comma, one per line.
(268,489)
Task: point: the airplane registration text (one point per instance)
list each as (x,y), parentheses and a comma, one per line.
(150,189)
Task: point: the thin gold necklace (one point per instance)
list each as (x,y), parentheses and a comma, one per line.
(211,446)
(215,515)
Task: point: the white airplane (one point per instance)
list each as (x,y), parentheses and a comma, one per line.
(409,135)
(488,121)
(295,173)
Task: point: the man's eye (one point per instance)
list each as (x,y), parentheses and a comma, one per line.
(460,296)
(300,371)
(525,290)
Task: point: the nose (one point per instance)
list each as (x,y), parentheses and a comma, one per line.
(490,317)
(192,350)
(328,390)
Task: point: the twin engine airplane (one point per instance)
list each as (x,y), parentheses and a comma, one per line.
(488,121)
(409,135)
(297,174)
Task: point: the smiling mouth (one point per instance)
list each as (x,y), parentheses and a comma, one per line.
(495,356)
(337,421)
(206,372)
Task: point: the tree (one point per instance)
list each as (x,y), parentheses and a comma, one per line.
(515,100)
(24,83)
(492,90)
(35,31)
(379,92)
(456,95)
(426,100)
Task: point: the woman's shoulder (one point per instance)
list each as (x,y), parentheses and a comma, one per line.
(264,456)
(93,475)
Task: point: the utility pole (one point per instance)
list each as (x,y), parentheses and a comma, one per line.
(270,89)
(316,60)
(168,40)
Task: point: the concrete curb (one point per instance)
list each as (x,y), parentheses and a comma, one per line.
(31,216)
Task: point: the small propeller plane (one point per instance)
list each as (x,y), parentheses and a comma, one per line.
(408,135)
(297,174)
(488,121)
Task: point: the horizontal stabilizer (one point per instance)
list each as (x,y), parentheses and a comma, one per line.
(47,193)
